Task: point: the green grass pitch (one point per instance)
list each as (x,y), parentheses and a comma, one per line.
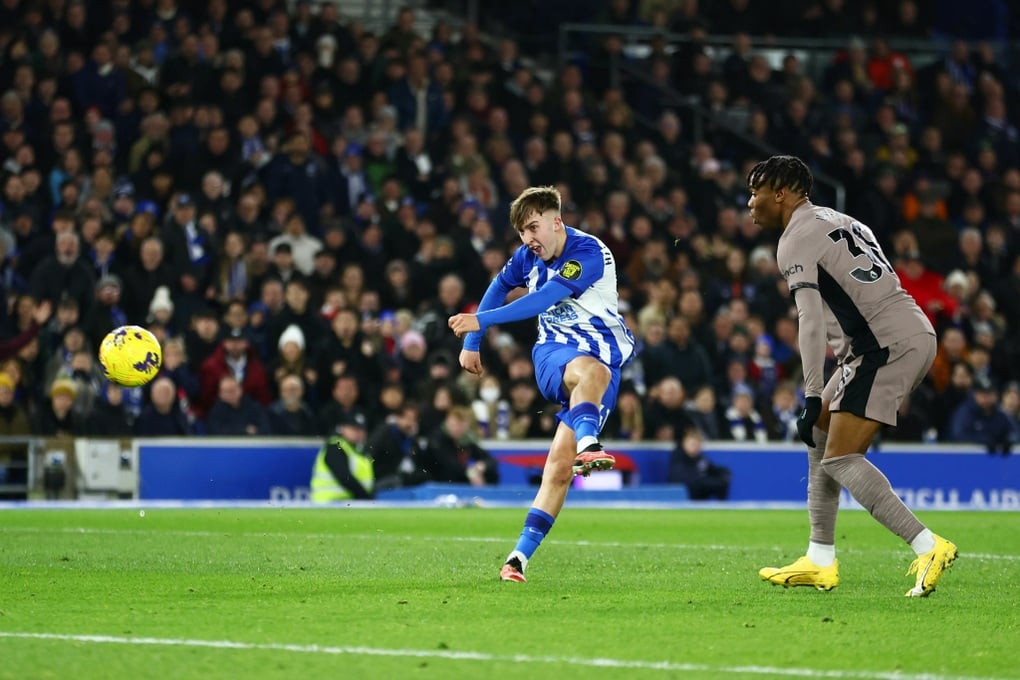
(413,593)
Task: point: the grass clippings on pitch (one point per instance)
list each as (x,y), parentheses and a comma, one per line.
(413,593)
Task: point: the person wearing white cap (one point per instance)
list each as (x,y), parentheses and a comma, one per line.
(161,309)
(291,358)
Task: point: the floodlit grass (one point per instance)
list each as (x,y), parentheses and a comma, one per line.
(395,593)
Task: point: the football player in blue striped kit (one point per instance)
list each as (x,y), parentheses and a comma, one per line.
(582,344)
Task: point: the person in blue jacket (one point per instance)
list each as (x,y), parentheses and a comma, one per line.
(979,420)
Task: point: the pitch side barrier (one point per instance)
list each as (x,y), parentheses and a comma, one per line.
(278,469)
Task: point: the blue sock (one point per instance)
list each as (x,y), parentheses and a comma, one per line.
(536,525)
(584,418)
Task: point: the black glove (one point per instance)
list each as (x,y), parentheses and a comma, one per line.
(807,419)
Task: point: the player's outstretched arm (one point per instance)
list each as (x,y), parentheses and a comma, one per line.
(525,307)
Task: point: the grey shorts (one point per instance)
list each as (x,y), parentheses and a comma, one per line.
(873,385)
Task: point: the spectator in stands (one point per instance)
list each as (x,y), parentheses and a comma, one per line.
(86,374)
(234,357)
(144,277)
(282,267)
(689,466)
(202,338)
(626,422)
(925,286)
(979,420)
(952,350)
(161,310)
(449,301)
(298,173)
(936,237)
(745,423)
(946,402)
(56,418)
(175,366)
(190,248)
(37,327)
(162,417)
(344,400)
(232,280)
(665,418)
(297,311)
(59,363)
(418,99)
(781,416)
(64,274)
(108,416)
(764,371)
(290,416)
(234,413)
(303,246)
(454,455)
(526,410)
(322,278)
(106,314)
(394,449)
(291,359)
(346,350)
(679,355)
(1010,400)
(14,419)
(704,413)
(491,409)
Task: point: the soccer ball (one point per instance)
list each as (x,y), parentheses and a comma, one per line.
(130,356)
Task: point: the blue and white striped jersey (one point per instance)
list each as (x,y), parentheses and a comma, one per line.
(589,319)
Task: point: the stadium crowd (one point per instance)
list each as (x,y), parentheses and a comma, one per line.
(295,205)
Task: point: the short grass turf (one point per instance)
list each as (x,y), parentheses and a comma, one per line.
(413,593)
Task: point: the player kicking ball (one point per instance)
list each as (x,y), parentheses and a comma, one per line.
(848,294)
(582,344)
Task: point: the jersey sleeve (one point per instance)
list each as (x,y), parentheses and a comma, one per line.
(512,275)
(811,339)
(509,277)
(798,263)
(582,268)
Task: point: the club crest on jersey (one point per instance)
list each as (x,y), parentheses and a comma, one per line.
(571,270)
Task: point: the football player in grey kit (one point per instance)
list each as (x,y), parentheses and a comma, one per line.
(848,295)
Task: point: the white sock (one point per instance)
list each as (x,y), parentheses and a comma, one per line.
(585,442)
(821,554)
(519,555)
(924,543)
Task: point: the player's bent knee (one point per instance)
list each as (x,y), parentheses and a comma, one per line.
(596,373)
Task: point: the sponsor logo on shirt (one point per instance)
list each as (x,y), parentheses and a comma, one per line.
(560,314)
(791,270)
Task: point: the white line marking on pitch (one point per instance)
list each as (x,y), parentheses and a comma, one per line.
(456,539)
(485,657)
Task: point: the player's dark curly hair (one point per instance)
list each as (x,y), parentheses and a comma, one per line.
(787,172)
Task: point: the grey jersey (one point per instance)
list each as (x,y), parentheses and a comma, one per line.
(866,308)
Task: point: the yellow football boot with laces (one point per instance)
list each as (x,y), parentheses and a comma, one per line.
(930,566)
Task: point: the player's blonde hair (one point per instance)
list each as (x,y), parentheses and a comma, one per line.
(533,200)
